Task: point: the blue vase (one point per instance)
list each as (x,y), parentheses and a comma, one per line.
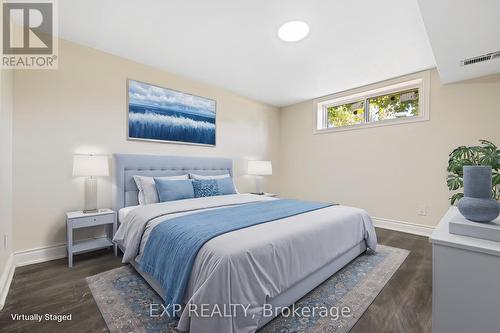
(477,204)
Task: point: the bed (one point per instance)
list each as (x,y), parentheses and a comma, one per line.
(273,263)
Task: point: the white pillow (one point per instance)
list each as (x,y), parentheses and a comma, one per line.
(147,188)
(195,176)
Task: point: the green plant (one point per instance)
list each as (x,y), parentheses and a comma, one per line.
(485,154)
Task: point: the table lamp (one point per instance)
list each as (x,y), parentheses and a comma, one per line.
(259,169)
(90,166)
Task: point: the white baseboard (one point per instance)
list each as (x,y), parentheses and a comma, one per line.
(408,227)
(6,279)
(42,254)
(39,254)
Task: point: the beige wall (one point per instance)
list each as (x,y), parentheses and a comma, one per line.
(81,108)
(6,107)
(392,170)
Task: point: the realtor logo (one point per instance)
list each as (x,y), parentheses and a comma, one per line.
(29,39)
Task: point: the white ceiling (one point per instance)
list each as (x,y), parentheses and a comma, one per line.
(234,44)
(459,30)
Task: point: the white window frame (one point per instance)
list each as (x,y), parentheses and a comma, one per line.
(418,80)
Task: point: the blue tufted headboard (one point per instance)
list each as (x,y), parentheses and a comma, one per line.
(127,165)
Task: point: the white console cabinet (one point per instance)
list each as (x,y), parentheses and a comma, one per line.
(465,282)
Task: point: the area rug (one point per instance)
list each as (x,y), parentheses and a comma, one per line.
(124,298)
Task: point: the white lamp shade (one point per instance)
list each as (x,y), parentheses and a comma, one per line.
(260,168)
(90,166)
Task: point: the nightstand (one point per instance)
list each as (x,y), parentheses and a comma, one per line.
(78,220)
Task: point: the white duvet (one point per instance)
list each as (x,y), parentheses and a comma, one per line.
(253,265)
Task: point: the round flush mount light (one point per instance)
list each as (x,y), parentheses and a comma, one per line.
(293,31)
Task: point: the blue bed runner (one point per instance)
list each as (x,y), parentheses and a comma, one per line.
(172,246)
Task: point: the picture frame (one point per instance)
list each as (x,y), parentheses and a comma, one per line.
(164,115)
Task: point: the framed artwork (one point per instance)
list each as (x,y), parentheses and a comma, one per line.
(165,115)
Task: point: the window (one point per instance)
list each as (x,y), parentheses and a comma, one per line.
(345,114)
(394,106)
(393,103)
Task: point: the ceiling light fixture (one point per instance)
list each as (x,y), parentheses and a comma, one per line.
(293,31)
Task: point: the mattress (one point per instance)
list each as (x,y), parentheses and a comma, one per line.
(254,265)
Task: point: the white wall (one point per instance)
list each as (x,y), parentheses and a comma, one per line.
(6,107)
(393,170)
(81,108)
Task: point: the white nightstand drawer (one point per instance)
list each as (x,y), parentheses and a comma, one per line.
(90,221)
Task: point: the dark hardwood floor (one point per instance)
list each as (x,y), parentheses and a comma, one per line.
(404,305)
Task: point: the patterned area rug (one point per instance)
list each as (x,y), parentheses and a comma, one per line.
(124,298)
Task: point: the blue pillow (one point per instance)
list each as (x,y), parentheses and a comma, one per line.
(211,187)
(226,186)
(169,190)
(205,188)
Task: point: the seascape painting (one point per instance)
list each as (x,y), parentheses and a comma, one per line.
(162,114)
